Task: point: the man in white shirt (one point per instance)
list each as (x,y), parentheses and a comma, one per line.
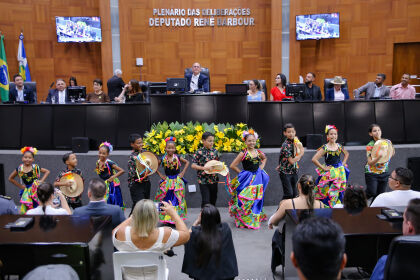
(59,94)
(197,81)
(400,182)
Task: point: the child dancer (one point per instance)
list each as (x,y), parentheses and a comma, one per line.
(109,171)
(247,189)
(288,159)
(29,173)
(70,160)
(172,186)
(333,176)
(208,182)
(376,174)
(139,188)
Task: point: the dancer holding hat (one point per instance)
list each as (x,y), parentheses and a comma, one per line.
(333,175)
(172,186)
(109,171)
(30,175)
(247,189)
(208,182)
(379,152)
(70,181)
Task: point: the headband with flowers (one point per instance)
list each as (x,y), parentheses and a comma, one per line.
(328,127)
(107,144)
(247,132)
(29,149)
(170,138)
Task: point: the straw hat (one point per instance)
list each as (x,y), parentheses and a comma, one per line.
(76,187)
(298,147)
(216,167)
(147,160)
(383,149)
(338,80)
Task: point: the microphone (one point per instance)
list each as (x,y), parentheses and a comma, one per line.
(52,84)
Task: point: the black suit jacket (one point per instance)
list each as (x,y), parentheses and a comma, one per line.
(203,82)
(54,93)
(101,209)
(28,95)
(315,96)
(115,86)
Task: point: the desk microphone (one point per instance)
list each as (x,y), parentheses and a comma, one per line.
(52,84)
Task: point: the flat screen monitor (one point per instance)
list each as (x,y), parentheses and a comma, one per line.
(236,88)
(318,26)
(179,85)
(295,90)
(78,29)
(157,88)
(76,93)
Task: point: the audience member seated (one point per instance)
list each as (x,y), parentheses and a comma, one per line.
(399,182)
(72,82)
(197,81)
(312,92)
(279,91)
(19,92)
(59,94)
(115,84)
(7,206)
(403,90)
(373,90)
(337,93)
(255,93)
(354,200)
(318,249)
(97,205)
(210,253)
(305,200)
(45,194)
(97,96)
(132,93)
(411,226)
(139,232)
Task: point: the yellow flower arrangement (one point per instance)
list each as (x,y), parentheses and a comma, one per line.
(227,137)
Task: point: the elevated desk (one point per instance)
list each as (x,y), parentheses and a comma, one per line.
(47,126)
(367,237)
(66,242)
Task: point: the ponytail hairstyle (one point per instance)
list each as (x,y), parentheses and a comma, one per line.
(307,185)
(44,192)
(209,241)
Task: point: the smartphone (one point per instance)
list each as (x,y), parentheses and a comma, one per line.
(392,214)
(158,206)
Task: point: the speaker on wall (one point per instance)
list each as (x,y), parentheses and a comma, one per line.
(313,141)
(414,165)
(80,144)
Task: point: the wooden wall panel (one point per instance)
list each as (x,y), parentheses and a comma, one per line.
(232,54)
(49,60)
(368,31)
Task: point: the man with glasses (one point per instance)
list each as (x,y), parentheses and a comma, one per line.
(197,81)
(401,193)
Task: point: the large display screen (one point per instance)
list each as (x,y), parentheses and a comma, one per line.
(78,29)
(319,26)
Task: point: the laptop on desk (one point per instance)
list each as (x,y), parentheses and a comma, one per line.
(236,88)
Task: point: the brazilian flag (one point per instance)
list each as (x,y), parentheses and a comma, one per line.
(4,73)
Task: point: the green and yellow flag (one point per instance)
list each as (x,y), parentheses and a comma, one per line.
(4,73)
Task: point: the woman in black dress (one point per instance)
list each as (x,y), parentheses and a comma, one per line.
(210,254)
(131,93)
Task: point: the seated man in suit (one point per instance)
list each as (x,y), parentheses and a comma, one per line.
(197,81)
(312,92)
(59,94)
(98,206)
(411,226)
(373,90)
(19,92)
